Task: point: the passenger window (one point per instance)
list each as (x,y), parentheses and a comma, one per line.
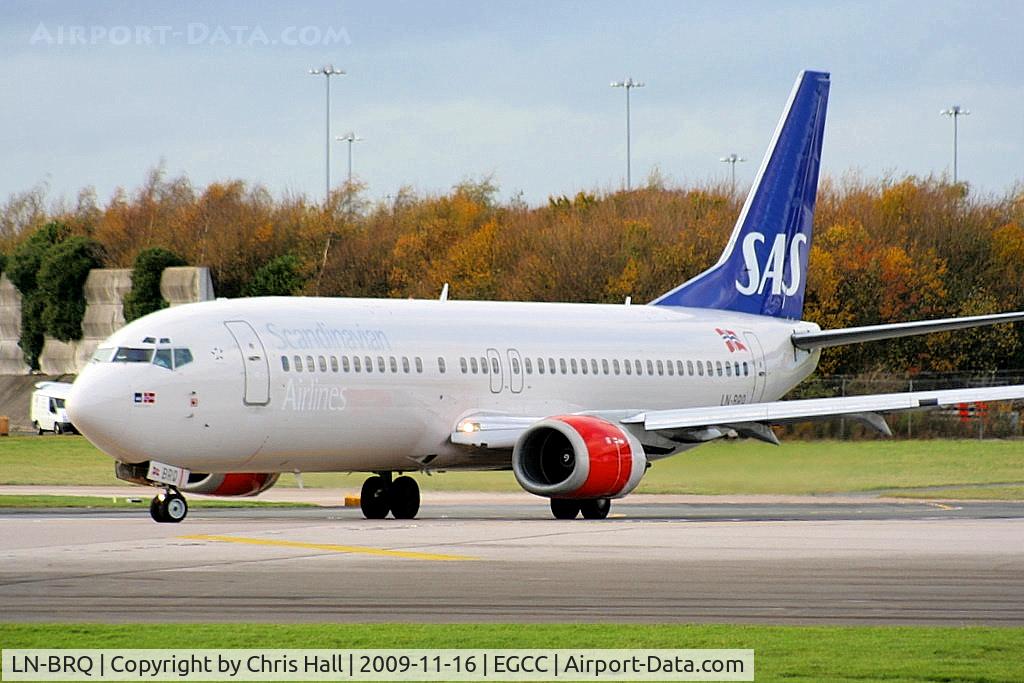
(650,368)
(394,364)
(583,365)
(540,366)
(473,365)
(462,364)
(639,368)
(380,363)
(284,363)
(419,364)
(368,363)
(344,364)
(593,366)
(551,365)
(494,366)
(323,364)
(572,364)
(628,366)
(604,365)
(700,368)
(718,364)
(728,369)
(405,364)
(184,357)
(689,368)
(679,368)
(746,370)
(298,364)
(483,365)
(528,365)
(310,365)
(711,369)
(163,359)
(357,364)
(668,366)
(515,366)
(561,365)
(661,367)
(615,366)
(440,364)
(334,363)
(736,368)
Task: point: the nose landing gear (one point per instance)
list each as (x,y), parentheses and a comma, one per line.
(168,507)
(381,495)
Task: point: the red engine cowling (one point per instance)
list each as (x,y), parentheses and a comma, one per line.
(578,456)
(235,484)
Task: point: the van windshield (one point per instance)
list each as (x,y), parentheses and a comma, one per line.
(125,354)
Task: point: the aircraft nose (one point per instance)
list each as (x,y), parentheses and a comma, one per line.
(97,410)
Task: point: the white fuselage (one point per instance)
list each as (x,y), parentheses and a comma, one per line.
(272,384)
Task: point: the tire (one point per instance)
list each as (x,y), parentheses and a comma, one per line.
(595,508)
(565,508)
(173,507)
(373,498)
(39,428)
(57,428)
(405,498)
(155,510)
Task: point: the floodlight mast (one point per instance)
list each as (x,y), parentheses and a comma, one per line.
(327,71)
(349,137)
(731,160)
(628,84)
(955,112)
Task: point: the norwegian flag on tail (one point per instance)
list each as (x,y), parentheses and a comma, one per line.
(732,342)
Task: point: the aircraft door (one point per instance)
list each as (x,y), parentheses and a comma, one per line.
(254,362)
(760,369)
(515,369)
(497,375)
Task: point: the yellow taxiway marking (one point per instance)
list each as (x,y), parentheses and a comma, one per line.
(943,506)
(355,549)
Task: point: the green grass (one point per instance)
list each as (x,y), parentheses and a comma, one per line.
(798,467)
(786,653)
(7,501)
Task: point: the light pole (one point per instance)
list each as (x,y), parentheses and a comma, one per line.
(327,71)
(349,137)
(954,112)
(628,84)
(731,160)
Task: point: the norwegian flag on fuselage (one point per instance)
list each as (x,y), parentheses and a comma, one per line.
(732,342)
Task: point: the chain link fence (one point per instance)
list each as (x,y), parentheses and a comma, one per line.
(995,420)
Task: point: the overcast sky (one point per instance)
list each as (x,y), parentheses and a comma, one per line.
(97,93)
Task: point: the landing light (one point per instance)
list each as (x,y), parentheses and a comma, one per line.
(469,427)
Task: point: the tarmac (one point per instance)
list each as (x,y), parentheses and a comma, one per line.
(501,558)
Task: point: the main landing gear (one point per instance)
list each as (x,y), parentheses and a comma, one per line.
(381,495)
(592,508)
(168,507)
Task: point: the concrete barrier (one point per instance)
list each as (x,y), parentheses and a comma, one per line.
(186,284)
(12,362)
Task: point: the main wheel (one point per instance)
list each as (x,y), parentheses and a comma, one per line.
(595,508)
(565,508)
(405,498)
(373,499)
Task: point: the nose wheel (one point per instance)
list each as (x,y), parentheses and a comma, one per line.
(380,495)
(169,507)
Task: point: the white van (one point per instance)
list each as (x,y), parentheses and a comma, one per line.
(48,412)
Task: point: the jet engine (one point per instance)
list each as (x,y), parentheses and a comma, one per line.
(235,484)
(578,456)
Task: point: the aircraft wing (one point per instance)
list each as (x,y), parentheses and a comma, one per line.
(856,335)
(500,431)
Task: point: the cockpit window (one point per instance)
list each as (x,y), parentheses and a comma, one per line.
(164,359)
(182,357)
(103,355)
(125,354)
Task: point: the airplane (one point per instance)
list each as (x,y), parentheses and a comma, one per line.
(578,400)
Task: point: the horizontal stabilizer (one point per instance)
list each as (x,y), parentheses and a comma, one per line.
(856,335)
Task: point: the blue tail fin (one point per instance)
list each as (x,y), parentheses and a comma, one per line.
(763,269)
